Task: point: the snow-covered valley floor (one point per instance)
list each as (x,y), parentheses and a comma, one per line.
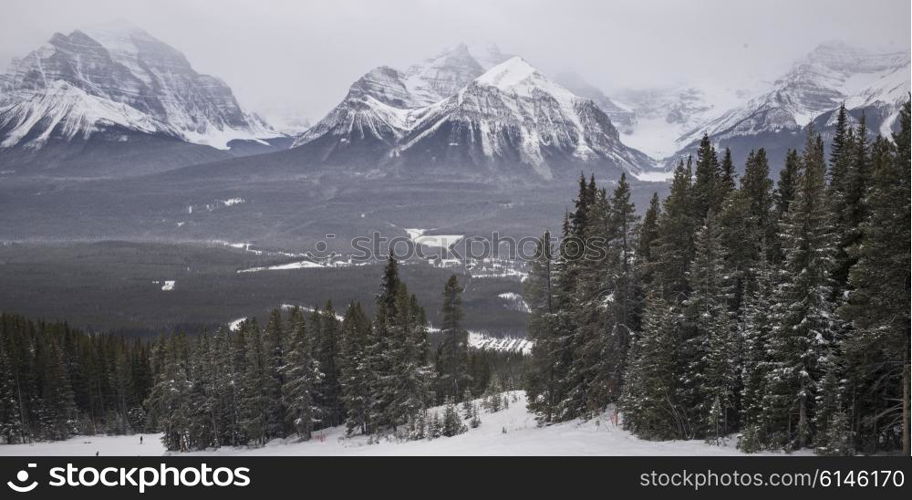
(522,437)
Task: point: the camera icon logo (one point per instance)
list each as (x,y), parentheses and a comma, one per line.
(22,476)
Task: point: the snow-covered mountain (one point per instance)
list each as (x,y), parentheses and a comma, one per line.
(379,107)
(622,117)
(663,114)
(114,82)
(449,112)
(869,82)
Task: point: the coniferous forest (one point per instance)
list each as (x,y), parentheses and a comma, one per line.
(303,371)
(779,312)
(774,311)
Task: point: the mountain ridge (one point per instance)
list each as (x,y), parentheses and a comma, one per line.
(509,120)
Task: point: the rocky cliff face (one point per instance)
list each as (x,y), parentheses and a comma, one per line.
(451,115)
(117,79)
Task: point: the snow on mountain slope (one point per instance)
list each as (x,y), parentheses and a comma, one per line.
(67,111)
(449,112)
(664,114)
(831,74)
(623,118)
(376,107)
(514,114)
(442,76)
(377,111)
(509,432)
(117,75)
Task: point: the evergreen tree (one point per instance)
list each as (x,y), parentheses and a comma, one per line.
(746,220)
(453,353)
(398,355)
(650,400)
(10,408)
(58,409)
(274,345)
(327,352)
(583,294)
(169,398)
(707,188)
(788,183)
(302,378)
(726,176)
(541,376)
(849,204)
(802,337)
(647,235)
(708,357)
(356,373)
(621,299)
(255,403)
(674,248)
(452,424)
(878,302)
(756,329)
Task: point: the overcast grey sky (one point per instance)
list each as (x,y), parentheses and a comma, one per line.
(303,54)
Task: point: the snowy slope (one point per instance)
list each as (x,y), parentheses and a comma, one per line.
(456,111)
(512,431)
(622,117)
(379,107)
(514,114)
(831,74)
(664,114)
(117,77)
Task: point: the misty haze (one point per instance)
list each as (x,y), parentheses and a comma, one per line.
(418,227)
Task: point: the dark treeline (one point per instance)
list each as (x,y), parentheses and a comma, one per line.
(304,371)
(780,312)
(301,372)
(56,381)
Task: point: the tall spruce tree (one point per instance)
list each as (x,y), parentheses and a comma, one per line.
(398,355)
(708,356)
(707,188)
(623,302)
(878,301)
(849,205)
(356,372)
(302,379)
(255,403)
(802,337)
(648,233)
(169,398)
(755,329)
(650,399)
(274,345)
(788,183)
(541,376)
(327,353)
(674,248)
(453,354)
(727,176)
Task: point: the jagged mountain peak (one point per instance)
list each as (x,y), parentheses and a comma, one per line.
(870,82)
(126,78)
(441,76)
(447,113)
(515,74)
